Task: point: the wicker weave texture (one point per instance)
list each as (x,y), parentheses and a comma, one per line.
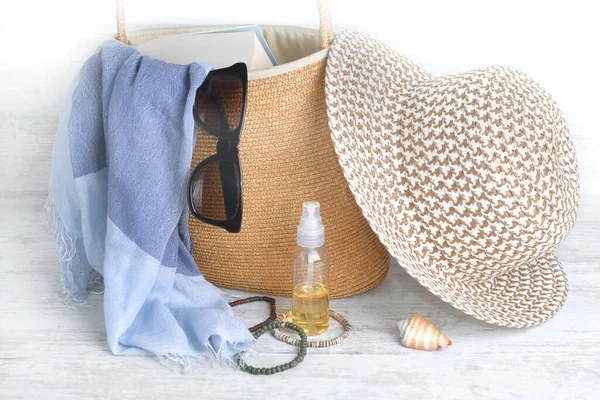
(287,157)
(470,180)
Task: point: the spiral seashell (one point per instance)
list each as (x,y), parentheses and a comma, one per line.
(418,333)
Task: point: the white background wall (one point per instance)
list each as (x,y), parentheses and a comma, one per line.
(43,43)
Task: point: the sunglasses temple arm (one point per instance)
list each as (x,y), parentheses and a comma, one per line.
(215,100)
(227,170)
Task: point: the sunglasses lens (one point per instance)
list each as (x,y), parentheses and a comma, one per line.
(219,102)
(215,190)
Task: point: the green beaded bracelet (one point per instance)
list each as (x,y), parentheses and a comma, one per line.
(280,368)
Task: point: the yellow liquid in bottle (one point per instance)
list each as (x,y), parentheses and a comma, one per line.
(310,308)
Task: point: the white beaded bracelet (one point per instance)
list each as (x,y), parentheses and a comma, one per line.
(314,343)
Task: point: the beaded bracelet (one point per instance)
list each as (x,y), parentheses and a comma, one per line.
(283,367)
(269,300)
(315,343)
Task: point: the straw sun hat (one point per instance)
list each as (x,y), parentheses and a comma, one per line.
(469,180)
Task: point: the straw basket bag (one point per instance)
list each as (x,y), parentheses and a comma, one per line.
(287,157)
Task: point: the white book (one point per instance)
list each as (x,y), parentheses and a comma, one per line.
(221,48)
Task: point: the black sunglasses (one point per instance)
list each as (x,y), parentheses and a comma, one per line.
(215,189)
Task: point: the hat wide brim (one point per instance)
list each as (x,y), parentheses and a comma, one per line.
(525,296)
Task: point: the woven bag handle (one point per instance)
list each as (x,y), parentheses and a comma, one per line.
(325,30)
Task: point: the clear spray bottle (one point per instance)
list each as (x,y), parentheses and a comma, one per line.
(310,296)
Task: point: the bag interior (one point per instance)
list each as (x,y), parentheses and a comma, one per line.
(288,43)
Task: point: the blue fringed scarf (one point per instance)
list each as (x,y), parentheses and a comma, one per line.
(117,199)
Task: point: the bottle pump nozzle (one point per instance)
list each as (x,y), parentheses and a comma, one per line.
(311,232)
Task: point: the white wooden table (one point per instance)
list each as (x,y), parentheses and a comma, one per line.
(50,351)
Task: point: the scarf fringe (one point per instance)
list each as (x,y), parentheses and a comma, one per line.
(187,364)
(75,277)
